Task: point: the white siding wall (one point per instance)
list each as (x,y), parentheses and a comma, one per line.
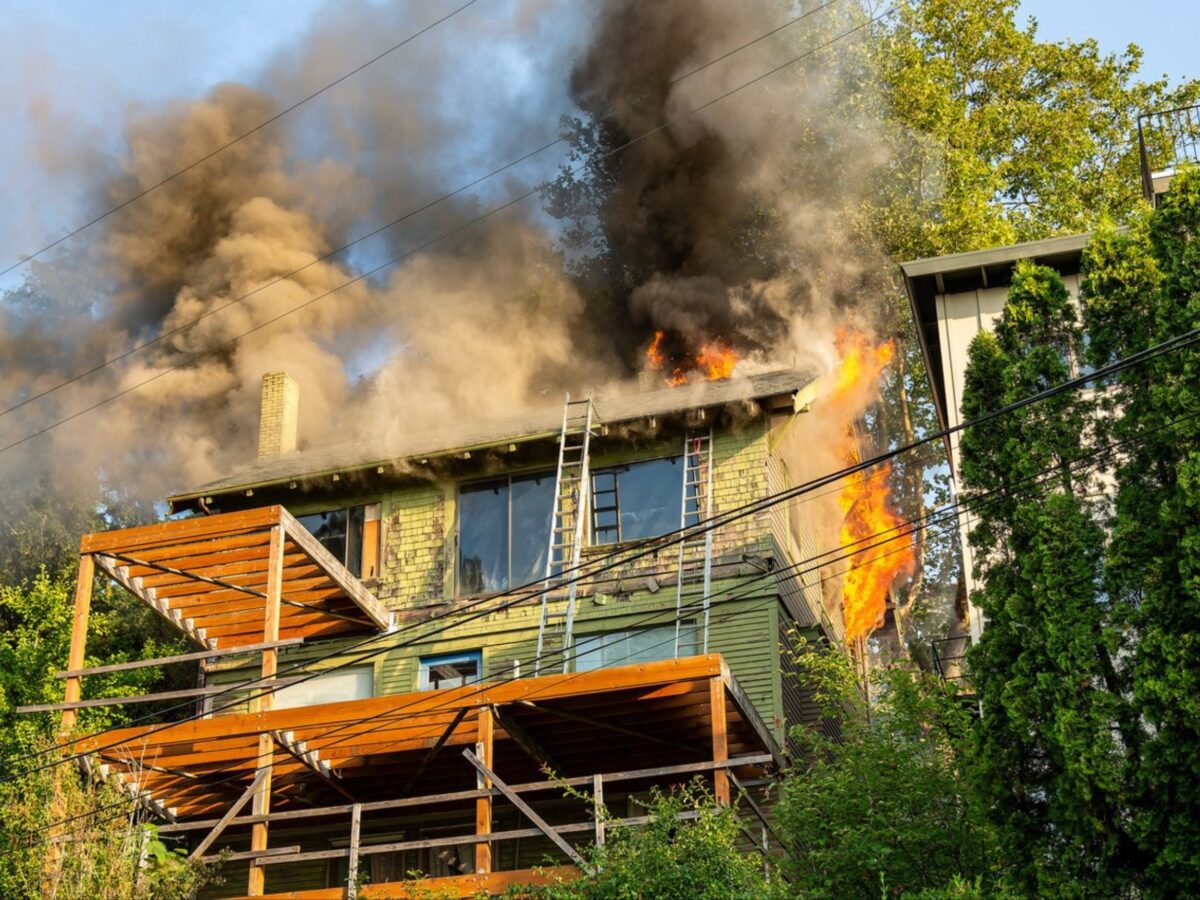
(961,317)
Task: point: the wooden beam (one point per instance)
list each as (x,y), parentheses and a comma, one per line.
(180,530)
(233,810)
(311,759)
(366,601)
(352,868)
(79,624)
(607,726)
(483,806)
(524,807)
(151,599)
(138,698)
(720,738)
(453,796)
(525,740)
(264,702)
(433,752)
(598,808)
(181,658)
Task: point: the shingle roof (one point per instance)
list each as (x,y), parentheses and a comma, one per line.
(544,422)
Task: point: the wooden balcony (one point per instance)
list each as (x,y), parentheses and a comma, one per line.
(347,766)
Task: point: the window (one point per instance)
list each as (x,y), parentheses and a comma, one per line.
(639,500)
(503,532)
(626,648)
(450,670)
(351,535)
(354,683)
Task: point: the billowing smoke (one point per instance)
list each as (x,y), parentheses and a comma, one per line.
(732,223)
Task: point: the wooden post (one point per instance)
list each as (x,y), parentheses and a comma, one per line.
(483,806)
(74,687)
(352,867)
(83,605)
(266,743)
(720,738)
(598,807)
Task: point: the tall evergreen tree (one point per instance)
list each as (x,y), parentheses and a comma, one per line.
(1141,287)
(1051,696)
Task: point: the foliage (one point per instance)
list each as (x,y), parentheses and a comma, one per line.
(1046,666)
(1142,287)
(107,847)
(667,858)
(34,645)
(883,799)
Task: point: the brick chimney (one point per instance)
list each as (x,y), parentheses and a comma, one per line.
(279,415)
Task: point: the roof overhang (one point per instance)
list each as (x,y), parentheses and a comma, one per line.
(539,426)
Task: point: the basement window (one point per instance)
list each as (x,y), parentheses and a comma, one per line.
(353,683)
(350,534)
(638,500)
(640,645)
(450,670)
(503,532)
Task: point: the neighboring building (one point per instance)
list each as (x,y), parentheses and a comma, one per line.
(953,299)
(658,665)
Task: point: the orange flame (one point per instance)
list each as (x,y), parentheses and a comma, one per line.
(716,359)
(878,545)
(654,356)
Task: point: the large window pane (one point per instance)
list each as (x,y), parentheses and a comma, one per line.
(483,537)
(532,509)
(640,500)
(627,648)
(330,529)
(354,683)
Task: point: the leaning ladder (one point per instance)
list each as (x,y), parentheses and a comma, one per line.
(567,525)
(695,565)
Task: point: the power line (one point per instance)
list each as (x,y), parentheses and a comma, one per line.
(442,237)
(656,544)
(236,140)
(387,226)
(944,516)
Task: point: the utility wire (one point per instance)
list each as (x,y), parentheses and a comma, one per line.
(654,545)
(188,324)
(946,516)
(433,241)
(682,534)
(199,161)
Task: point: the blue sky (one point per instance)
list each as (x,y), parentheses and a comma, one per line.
(1165,29)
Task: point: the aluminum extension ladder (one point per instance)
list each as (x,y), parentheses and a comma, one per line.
(694,585)
(571,488)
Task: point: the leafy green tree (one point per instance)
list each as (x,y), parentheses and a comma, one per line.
(1141,287)
(1056,734)
(890,805)
(106,848)
(670,858)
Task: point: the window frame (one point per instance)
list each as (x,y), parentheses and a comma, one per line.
(688,517)
(362,538)
(689,626)
(281,694)
(507,478)
(425,663)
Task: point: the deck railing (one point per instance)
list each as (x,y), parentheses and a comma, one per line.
(1166,140)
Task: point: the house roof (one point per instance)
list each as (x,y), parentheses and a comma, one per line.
(611,408)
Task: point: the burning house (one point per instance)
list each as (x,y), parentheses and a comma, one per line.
(405,654)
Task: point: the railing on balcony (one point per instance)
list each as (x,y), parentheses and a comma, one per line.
(1166,140)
